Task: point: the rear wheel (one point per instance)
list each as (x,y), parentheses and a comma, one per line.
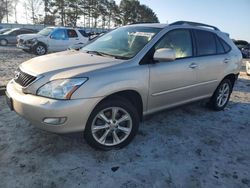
(112,124)
(3,42)
(221,95)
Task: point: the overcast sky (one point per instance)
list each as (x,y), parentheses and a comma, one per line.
(231,16)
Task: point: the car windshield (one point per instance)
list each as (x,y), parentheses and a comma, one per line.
(123,43)
(46,31)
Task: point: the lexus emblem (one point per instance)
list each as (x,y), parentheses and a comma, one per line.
(17,74)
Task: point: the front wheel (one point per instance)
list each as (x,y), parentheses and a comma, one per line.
(40,49)
(221,95)
(112,124)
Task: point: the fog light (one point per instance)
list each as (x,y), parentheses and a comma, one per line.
(55,120)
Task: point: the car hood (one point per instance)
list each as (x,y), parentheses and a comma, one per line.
(67,64)
(29,36)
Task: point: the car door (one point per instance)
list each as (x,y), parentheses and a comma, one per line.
(58,41)
(211,61)
(73,37)
(173,83)
(12,37)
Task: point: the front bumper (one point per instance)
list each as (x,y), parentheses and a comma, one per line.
(23,47)
(35,109)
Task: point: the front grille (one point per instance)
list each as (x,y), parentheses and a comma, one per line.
(23,78)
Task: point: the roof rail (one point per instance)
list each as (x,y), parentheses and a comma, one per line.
(194,24)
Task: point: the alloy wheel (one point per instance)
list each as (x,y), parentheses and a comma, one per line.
(223,95)
(40,50)
(111,126)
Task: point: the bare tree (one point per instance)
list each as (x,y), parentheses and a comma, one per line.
(15,3)
(33,7)
(5,9)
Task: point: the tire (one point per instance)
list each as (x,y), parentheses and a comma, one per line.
(104,131)
(40,49)
(3,42)
(221,95)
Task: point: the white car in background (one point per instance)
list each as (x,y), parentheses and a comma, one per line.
(248,67)
(52,39)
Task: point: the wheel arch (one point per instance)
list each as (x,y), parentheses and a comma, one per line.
(132,96)
(232,77)
(40,43)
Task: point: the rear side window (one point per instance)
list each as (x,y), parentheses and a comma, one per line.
(226,47)
(220,49)
(179,40)
(83,33)
(24,32)
(71,33)
(205,43)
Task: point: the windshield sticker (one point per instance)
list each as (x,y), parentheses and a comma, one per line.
(143,34)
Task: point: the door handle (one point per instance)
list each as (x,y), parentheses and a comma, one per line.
(193,65)
(77,39)
(226,60)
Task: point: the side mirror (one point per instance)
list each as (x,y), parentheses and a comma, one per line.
(164,54)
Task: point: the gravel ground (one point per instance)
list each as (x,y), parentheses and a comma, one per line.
(190,146)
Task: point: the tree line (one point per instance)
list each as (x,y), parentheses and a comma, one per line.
(86,13)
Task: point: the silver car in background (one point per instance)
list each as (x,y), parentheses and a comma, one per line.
(248,67)
(107,87)
(52,39)
(10,36)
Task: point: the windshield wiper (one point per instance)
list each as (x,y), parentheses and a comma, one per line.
(105,54)
(121,57)
(98,53)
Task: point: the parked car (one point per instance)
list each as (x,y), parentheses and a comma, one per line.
(9,37)
(246,51)
(91,38)
(107,87)
(241,43)
(248,67)
(2,31)
(51,39)
(244,47)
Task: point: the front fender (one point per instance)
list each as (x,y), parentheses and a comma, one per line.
(104,85)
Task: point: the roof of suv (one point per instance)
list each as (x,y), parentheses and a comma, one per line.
(156,25)
(62,27)
(178,23)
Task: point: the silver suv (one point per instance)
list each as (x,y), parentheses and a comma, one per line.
(107,87)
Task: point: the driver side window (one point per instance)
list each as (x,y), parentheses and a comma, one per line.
(59,34)
(178,40)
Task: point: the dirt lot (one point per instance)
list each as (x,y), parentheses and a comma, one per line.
(191,146)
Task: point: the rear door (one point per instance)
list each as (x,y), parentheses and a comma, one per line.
(173,83)
(73,37)
(211,60)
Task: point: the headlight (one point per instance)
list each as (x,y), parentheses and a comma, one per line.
(61,89)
